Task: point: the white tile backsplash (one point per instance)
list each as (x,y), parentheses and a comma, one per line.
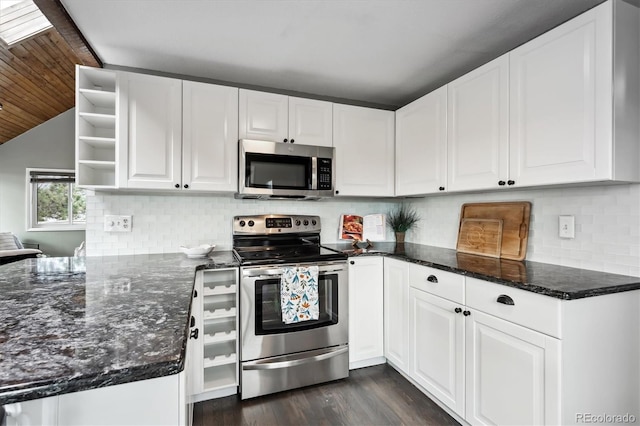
(607,219)
(162,223)
(607,222)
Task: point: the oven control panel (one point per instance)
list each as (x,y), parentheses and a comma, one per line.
(275,224)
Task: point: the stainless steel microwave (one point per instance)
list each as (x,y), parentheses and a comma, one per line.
(277,170)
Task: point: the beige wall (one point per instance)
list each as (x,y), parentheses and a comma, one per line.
(50,145)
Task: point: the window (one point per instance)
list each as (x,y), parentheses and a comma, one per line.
(20,20)
(54,202)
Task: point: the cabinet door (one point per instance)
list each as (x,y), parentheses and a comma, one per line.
(310,122)
(436,355)
(478,127)
(366,327)
(396,313)
(151,131)
(512,373)
(561,103)
(364,142)
(263,116)
(210,137)
(421,145)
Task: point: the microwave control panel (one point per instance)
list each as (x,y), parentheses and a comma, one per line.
(325,171)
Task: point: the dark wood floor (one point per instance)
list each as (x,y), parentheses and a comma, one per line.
(370,396)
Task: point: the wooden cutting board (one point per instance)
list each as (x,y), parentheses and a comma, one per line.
(515,224)
(480,236)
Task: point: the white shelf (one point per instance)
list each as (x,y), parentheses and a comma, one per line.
(98,120)
(219,336)
(99,142)
(98,165)
(221,312)
(219,360)
(99,98)
(220,377)
(211,289)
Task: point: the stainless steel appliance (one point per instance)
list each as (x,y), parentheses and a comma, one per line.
(276,356)
(276,170)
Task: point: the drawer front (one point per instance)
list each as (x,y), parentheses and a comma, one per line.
(531,310)
(440,283)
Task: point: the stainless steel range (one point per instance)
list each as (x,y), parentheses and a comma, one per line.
(280,350)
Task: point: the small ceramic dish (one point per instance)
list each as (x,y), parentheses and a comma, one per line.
(199,251)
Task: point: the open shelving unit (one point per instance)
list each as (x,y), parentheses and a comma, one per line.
(218,365)
(96,122)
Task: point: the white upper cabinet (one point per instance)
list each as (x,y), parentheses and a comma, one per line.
(151,131)
(364,143)
(280,118)
(263,116)
(178,135)
(571,96)
(210,137)
(421,145)
(478,127)
(310,122)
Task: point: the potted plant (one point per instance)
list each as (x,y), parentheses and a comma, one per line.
(401,220)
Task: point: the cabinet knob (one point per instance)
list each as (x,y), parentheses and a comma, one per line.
(177,185)
(194,334)
(292,140)
(352,263)
(501,182)
(285,140)
(432,279)
(337,192)
(510,182)
(195,293)
(466,313)
(186,186)
(193,321)
(505,300)
(441,188)
(457,310)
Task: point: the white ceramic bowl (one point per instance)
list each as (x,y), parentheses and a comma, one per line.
(199,251)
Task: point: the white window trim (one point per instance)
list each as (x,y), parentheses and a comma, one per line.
(32,222)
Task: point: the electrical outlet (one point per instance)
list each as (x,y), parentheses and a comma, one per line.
(566,227)
(117,223)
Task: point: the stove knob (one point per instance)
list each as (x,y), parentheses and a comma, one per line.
(251,223)
(298,222)
(306,222)
(242,223)
(313,222)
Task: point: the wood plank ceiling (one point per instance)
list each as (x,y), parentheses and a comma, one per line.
(37,76)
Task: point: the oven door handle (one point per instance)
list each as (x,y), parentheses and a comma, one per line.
(293,360)
(274,272)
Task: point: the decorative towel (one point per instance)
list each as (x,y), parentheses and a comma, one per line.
(299,294)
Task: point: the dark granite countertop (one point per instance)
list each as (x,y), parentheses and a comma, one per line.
(72,324)
(551,280)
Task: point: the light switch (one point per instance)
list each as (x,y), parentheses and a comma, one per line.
(566,227)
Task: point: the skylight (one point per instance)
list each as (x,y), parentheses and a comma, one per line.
(19,20)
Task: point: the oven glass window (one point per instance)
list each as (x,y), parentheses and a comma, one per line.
(278,171)
(269,311)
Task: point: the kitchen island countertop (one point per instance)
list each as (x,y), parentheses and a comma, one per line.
(73,324)
(551,280)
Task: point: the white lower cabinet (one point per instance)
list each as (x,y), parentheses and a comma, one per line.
(436,356)
(213,349)
(512,373)
(495,355)
(366,325)
(160,401)
(396,313)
